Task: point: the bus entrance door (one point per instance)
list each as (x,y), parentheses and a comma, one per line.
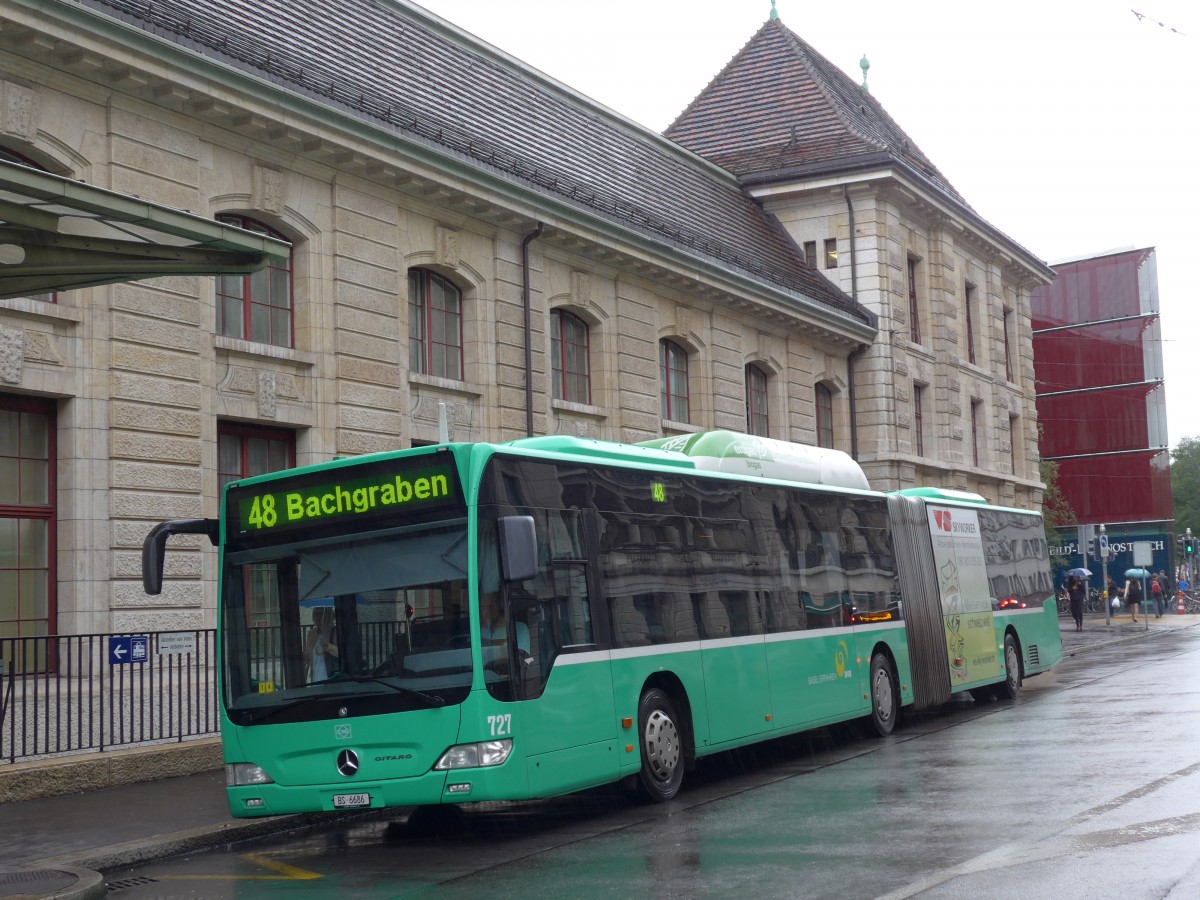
(568,719)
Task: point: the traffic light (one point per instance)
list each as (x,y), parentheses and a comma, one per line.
(1189,546)
(1091,548)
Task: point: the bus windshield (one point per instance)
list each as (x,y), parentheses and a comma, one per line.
(382,620)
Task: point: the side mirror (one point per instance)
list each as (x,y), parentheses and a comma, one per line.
(518,548)
(154,548)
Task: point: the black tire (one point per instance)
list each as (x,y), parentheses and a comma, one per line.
(885,698)
(661,745)
(1011,685)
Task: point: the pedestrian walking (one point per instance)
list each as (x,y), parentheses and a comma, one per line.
(1133,596)
(1077,595)
(1156,594)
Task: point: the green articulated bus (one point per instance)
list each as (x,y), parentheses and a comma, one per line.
(471,622)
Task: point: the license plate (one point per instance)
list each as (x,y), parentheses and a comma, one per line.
(346,801)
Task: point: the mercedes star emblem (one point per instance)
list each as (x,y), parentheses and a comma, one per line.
(347,763)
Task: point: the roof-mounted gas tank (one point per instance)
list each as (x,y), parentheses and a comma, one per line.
(747,454)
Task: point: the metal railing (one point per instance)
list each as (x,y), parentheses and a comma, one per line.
(79,693)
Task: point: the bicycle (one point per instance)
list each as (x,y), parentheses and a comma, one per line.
(1191,602)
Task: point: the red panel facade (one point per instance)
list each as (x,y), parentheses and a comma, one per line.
(1134,487)
(1100,397)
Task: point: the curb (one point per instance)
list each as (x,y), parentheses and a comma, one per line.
(144,850)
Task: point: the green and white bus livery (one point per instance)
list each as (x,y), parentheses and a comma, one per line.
(474,622)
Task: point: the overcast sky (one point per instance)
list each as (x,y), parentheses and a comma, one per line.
(1064,123)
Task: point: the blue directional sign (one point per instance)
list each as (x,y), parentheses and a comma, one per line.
(129,648)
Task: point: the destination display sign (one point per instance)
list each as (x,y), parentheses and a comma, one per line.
(351,497)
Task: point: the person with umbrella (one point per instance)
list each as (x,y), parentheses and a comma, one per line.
(1133,590)
(1077,594)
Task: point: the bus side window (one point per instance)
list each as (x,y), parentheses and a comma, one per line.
(629,625)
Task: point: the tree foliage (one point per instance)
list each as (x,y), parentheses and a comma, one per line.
(1055,509)
(1185,485)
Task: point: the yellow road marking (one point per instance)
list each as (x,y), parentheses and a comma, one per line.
(285,872)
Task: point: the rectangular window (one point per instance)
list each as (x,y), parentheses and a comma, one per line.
(968,312)
(1015,443)
(246,450)
(919,419)
(27,520)
(810,253)
(975,435)
(914,313)
(831,253)
(1008,360)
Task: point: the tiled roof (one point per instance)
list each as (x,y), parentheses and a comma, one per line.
(779,105)
(396,67)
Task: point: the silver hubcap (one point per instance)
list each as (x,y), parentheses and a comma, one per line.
(1013,664)
(662,745)
(883,695)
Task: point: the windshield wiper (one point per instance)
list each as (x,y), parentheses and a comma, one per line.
(430,699)
(262,713)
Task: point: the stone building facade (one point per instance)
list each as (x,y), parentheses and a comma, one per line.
(945,395)
(434,190)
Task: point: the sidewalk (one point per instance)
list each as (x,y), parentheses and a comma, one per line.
(57,847)
(1096,633)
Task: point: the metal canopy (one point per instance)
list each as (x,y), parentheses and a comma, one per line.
(57,234)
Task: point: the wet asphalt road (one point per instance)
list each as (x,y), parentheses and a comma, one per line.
(1087,786)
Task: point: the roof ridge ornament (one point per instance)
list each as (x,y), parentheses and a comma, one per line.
(774,12)
(863,64)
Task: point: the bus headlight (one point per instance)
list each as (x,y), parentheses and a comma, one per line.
(243,774)
(475,756)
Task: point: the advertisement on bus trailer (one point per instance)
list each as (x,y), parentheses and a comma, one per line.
(966,596)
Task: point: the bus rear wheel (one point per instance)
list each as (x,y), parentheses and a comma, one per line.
(662,748)
(885,699)
(1011,685)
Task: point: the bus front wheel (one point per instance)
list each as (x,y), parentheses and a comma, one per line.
(1011,685)
(661,745)
(885,699)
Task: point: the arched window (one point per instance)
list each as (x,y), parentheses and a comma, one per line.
(256,307)
(673,370)
(435,336)
(756,401)
(824,403)
(13,157)
(569,357)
